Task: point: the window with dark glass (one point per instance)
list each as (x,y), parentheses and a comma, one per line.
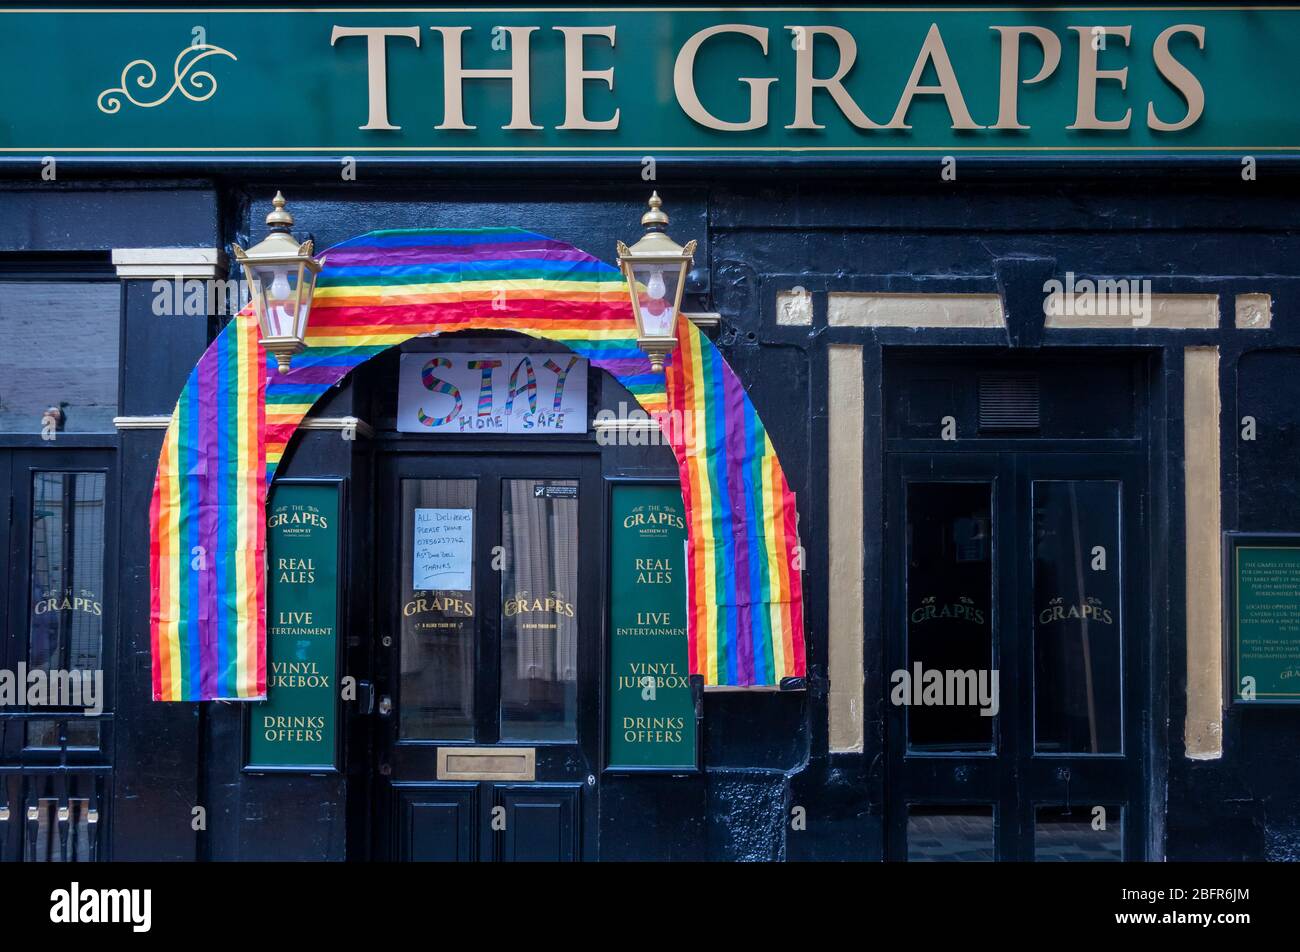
(61,350)
(66,628)
(62,735)
(1078,622)
(949,615)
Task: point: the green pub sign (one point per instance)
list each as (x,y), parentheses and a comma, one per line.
(1264,595)
(294,728)
(651,709)
(631,81)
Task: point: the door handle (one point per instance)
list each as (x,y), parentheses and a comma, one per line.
(385,706)
(366,696)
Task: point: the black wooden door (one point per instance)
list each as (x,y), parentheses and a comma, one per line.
(57,603)
(1083,639)
(488,656)
(1027,565)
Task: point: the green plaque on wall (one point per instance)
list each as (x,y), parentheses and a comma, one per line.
(295,727)
(1264,613)
(651,710)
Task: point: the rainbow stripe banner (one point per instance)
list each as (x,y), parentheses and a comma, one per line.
(237,414)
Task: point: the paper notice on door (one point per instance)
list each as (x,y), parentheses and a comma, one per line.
(443,551)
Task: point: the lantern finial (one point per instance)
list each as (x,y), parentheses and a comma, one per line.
(656,219)
(279,219)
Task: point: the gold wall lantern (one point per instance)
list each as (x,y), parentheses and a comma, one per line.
(281,274)
(655,268)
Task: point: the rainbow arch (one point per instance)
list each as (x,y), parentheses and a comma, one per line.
(236,415)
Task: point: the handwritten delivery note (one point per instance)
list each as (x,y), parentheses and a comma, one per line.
(443,550)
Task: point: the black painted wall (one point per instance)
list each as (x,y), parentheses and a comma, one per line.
(999,228)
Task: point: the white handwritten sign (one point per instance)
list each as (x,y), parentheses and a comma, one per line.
(443,550)
(492,393)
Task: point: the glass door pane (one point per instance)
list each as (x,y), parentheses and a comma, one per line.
(1079,834)
(950,833)
(949,617)
(439,616)
(66,628)
(539,616)
(1078,629)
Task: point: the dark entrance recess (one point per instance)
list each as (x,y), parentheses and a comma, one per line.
(488,655)
(1016,545)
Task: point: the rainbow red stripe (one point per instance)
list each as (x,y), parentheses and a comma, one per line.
(236,415)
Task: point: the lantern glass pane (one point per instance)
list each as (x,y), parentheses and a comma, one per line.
(279,287)
(656,287)
(308,282)
(257,294)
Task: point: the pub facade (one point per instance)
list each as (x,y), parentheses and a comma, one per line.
(634,434)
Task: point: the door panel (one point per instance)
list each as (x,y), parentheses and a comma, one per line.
(439,823)
(541,823)
(1051,543)
(950,766)
(1087,634)
(494,640)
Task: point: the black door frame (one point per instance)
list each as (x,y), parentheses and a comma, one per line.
(912,777)
(66,772)
(1011,464)
(566,770)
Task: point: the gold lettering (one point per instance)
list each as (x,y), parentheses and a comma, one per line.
(574,77)
(1008,81)
(454,76)
(805,82)
(1089,76)
(684,81)
(1178,76)
(933,50)
(377,66)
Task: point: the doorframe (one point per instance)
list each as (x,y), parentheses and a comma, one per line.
(970,467)
(71,772)
(388,451)
(1156,403)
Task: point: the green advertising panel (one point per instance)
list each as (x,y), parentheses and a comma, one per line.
(295,727)
(645,82)
(1265,602)
(651,710)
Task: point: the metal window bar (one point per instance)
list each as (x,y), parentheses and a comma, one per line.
(62,821)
